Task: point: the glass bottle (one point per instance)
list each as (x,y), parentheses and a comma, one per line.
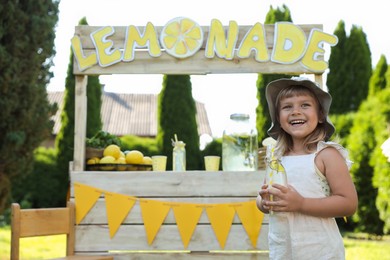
(239,145)
(179,156)
(275,172)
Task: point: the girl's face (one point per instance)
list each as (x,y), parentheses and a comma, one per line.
(299,115)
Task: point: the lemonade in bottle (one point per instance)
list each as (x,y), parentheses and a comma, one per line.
(275,172)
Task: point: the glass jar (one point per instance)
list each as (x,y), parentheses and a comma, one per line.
(179,156)
(239,145)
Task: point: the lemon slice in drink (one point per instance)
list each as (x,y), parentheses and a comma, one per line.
(181,37)
(276,165)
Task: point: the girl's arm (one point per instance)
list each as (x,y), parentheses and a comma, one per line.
(342,201)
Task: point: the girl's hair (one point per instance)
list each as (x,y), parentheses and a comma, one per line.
(284,142)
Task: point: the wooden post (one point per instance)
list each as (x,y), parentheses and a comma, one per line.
(80,124)
(318,79)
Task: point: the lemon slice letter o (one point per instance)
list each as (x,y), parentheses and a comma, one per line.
(181,37)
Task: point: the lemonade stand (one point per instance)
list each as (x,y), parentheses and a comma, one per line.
(186,214)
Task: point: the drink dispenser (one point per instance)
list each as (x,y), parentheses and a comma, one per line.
(239,145)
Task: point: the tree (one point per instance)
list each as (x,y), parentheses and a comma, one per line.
(349,70)
(336,82)
(263,120)
(381,179)
(65,138)
(370,170)
(378,79)
(26,51)
(176,115)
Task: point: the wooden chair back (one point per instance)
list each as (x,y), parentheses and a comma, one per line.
(41,222)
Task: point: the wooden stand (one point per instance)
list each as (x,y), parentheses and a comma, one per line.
(204,187)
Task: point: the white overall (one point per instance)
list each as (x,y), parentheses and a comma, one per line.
(297,236)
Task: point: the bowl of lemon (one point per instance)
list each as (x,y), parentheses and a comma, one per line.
(113,159)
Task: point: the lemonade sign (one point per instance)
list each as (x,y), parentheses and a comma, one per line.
(182,38)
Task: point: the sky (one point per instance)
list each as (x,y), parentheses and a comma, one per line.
(222,94)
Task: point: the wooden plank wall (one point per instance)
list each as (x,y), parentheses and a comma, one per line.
(92,235)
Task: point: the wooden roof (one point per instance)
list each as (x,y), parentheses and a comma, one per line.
(129,114)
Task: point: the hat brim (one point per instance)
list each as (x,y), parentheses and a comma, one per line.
(273,89)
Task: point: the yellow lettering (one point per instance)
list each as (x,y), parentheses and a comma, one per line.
(83,61)
(289,43)
(315,50)
(216,42)
(106,55)
(254,40)
(134,39)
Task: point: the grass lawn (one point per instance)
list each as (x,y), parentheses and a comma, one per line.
(358,246)
(34,247)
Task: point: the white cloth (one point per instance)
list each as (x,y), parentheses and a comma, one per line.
(297,236)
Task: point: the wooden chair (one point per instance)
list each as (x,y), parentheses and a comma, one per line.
(41,222)
(45,222)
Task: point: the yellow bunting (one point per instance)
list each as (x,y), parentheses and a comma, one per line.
(221,218)
(85,198)
(187,216)
(251,218)
(118,207)
(153,214)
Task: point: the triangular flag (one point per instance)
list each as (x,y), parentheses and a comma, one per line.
(153,214)
(221,218)
(117,207)
(187,216)
(251,218)
(85,197)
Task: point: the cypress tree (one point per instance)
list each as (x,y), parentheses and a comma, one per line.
(381,179)
(361,144)
(263,120)
(370,170)
(65,138)
(338,66)
(176,115)
(27,32)
(378,79)
(351,71)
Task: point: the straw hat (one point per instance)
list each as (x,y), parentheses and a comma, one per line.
(273,89)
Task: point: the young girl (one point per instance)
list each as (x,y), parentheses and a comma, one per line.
(319,188)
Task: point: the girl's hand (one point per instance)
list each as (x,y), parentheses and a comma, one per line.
(285,199)
(262,199)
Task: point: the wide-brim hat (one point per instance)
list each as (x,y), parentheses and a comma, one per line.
(273,89)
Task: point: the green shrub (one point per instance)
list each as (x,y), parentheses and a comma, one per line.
(42,187)
(343,124)
(146,145)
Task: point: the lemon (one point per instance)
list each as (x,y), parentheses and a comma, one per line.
(107,160)
(181,37)
(134,157)
(147,160)
(121,160)
(93,160)
(112,150)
